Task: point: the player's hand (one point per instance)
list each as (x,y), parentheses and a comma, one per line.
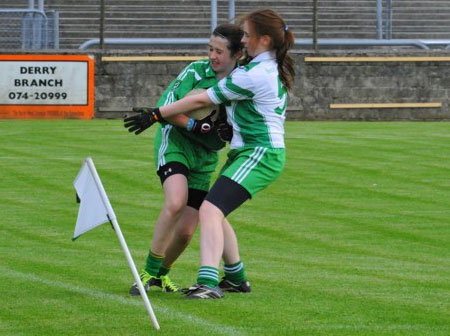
(202,126)
(143,118)
(225,131)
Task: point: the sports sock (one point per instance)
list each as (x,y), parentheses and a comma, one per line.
(163,270)
(234,272)
(208,276)
(153,264)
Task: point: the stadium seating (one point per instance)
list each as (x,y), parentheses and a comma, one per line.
(79,19)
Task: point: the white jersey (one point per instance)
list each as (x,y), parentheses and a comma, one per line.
(255,101)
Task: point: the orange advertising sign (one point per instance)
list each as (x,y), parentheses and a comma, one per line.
(46,86)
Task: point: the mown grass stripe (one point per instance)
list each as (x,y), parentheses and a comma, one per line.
(96,294)
(352,239)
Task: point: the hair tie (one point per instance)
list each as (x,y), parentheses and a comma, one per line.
(216,33)
(286,28)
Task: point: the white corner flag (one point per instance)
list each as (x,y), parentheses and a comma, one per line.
(95,210)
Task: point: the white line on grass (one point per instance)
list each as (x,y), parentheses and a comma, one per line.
(216,327)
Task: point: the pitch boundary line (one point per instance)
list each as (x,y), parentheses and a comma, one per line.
(218,328)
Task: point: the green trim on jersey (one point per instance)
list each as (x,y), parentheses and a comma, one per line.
(282,92)
(237,89)
(198,74)
(250,66)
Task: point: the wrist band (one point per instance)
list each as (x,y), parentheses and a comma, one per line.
(158,115)
(190,124)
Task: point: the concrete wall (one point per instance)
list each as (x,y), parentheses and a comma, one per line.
(120,85)
(124,84)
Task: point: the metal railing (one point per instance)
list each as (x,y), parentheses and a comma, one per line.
(298,42)
(318,24)
(384,17)
(29,29)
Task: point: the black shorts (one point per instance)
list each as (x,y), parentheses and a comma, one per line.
(227,195)
(195,196)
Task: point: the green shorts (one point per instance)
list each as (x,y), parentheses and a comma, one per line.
(171,146)
(254,168)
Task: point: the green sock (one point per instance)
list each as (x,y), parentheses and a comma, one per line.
(208,276)
(163,270)
(153,264)
(235,272)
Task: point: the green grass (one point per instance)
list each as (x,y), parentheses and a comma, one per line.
(353,239)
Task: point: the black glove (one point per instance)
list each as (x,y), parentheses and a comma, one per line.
(225,131)
(143,119)
(201,126)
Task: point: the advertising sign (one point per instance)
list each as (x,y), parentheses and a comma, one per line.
(46,86)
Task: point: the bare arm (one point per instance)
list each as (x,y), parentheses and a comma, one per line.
(185,105)
(179,120)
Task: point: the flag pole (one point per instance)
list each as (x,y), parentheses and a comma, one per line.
(112,218)
(135,273)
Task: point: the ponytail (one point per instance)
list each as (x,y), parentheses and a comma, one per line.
(285,60)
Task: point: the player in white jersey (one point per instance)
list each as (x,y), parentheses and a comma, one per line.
(255,97)
(256,103)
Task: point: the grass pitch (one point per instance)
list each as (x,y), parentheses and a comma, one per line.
(353,239)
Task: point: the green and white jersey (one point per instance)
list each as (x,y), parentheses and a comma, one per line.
(255,101)
(198,74)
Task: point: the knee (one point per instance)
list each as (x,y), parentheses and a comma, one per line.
(174,206)
(209,211)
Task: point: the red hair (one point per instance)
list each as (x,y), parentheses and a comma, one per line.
(268,22)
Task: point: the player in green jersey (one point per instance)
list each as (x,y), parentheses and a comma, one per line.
(186,156)
(255,96)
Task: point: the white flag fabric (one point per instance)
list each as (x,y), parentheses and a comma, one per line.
(94,207)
